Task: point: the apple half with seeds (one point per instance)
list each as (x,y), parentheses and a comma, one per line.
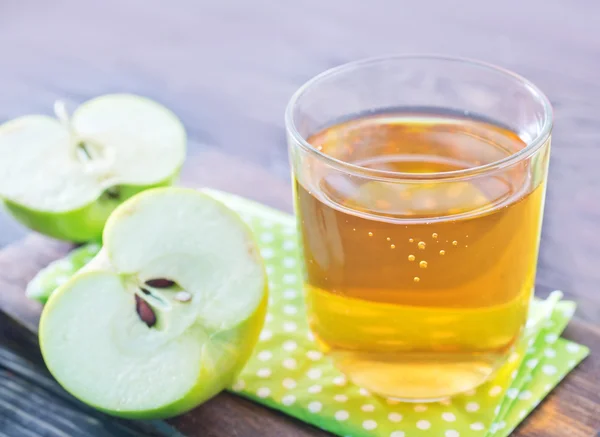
(63,176)
(168,312)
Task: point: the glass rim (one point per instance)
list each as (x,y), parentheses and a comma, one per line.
(385,175)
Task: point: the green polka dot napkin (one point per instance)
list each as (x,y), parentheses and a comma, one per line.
(289,373)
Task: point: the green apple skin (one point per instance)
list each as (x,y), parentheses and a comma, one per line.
(244,336)
(231,348)
(81,225)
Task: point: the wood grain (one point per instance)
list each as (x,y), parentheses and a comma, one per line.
(573,409)
(229,67)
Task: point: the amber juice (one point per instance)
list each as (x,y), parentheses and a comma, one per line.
(418,290)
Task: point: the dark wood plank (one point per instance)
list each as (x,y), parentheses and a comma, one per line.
(33,404)
(228,68)
(572,409)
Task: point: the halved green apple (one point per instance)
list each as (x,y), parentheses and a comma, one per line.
(167,313)
(64,176)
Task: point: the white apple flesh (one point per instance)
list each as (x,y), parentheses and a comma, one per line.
(168,312)
(63,177)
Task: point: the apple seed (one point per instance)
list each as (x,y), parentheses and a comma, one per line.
(160,283)
(183,296)
(113,193)
(144,311)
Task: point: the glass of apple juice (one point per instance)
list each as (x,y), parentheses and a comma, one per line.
(419,186)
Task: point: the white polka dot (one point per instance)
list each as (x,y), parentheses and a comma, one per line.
(495,391)
(522,413)
(398,434)
(420,408)
(524,395)
(290,294)
(289,383)
(290,346)
(263,392)
(314,355)
(269,318)
(571,363)
(266,223)
(289,262)
(550,353)
(310,336)
(367,408)
(314,373)
(290,327)
(369,424)
(363,392)
(477,426)
(340,398)
(501,424)
(264,372)
(448,417)
(549,369)
(548,387)
(528,377)
(395,417)
(548,324)
(341,415)
(267,253)
(288,400)
(239,385)
(551,338)
(289,245)
(266,335)
(289,279)
(290,310)
(572,348)
(267,237)
(314,389)
(514,374)
(423,424)
(532,363)
(496,410)
(265,355)
(452,433)
(532,350)
(288,230)
(493,428)
(512,393)
(471,407)
(315,407)
(289,363)
(92,248)
(340,380)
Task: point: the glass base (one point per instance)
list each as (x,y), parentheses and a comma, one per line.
(417,378)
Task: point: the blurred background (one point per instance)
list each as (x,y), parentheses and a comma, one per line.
(228,68)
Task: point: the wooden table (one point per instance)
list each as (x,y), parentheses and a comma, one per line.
(229,67)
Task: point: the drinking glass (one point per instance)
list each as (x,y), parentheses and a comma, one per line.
(419,186)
